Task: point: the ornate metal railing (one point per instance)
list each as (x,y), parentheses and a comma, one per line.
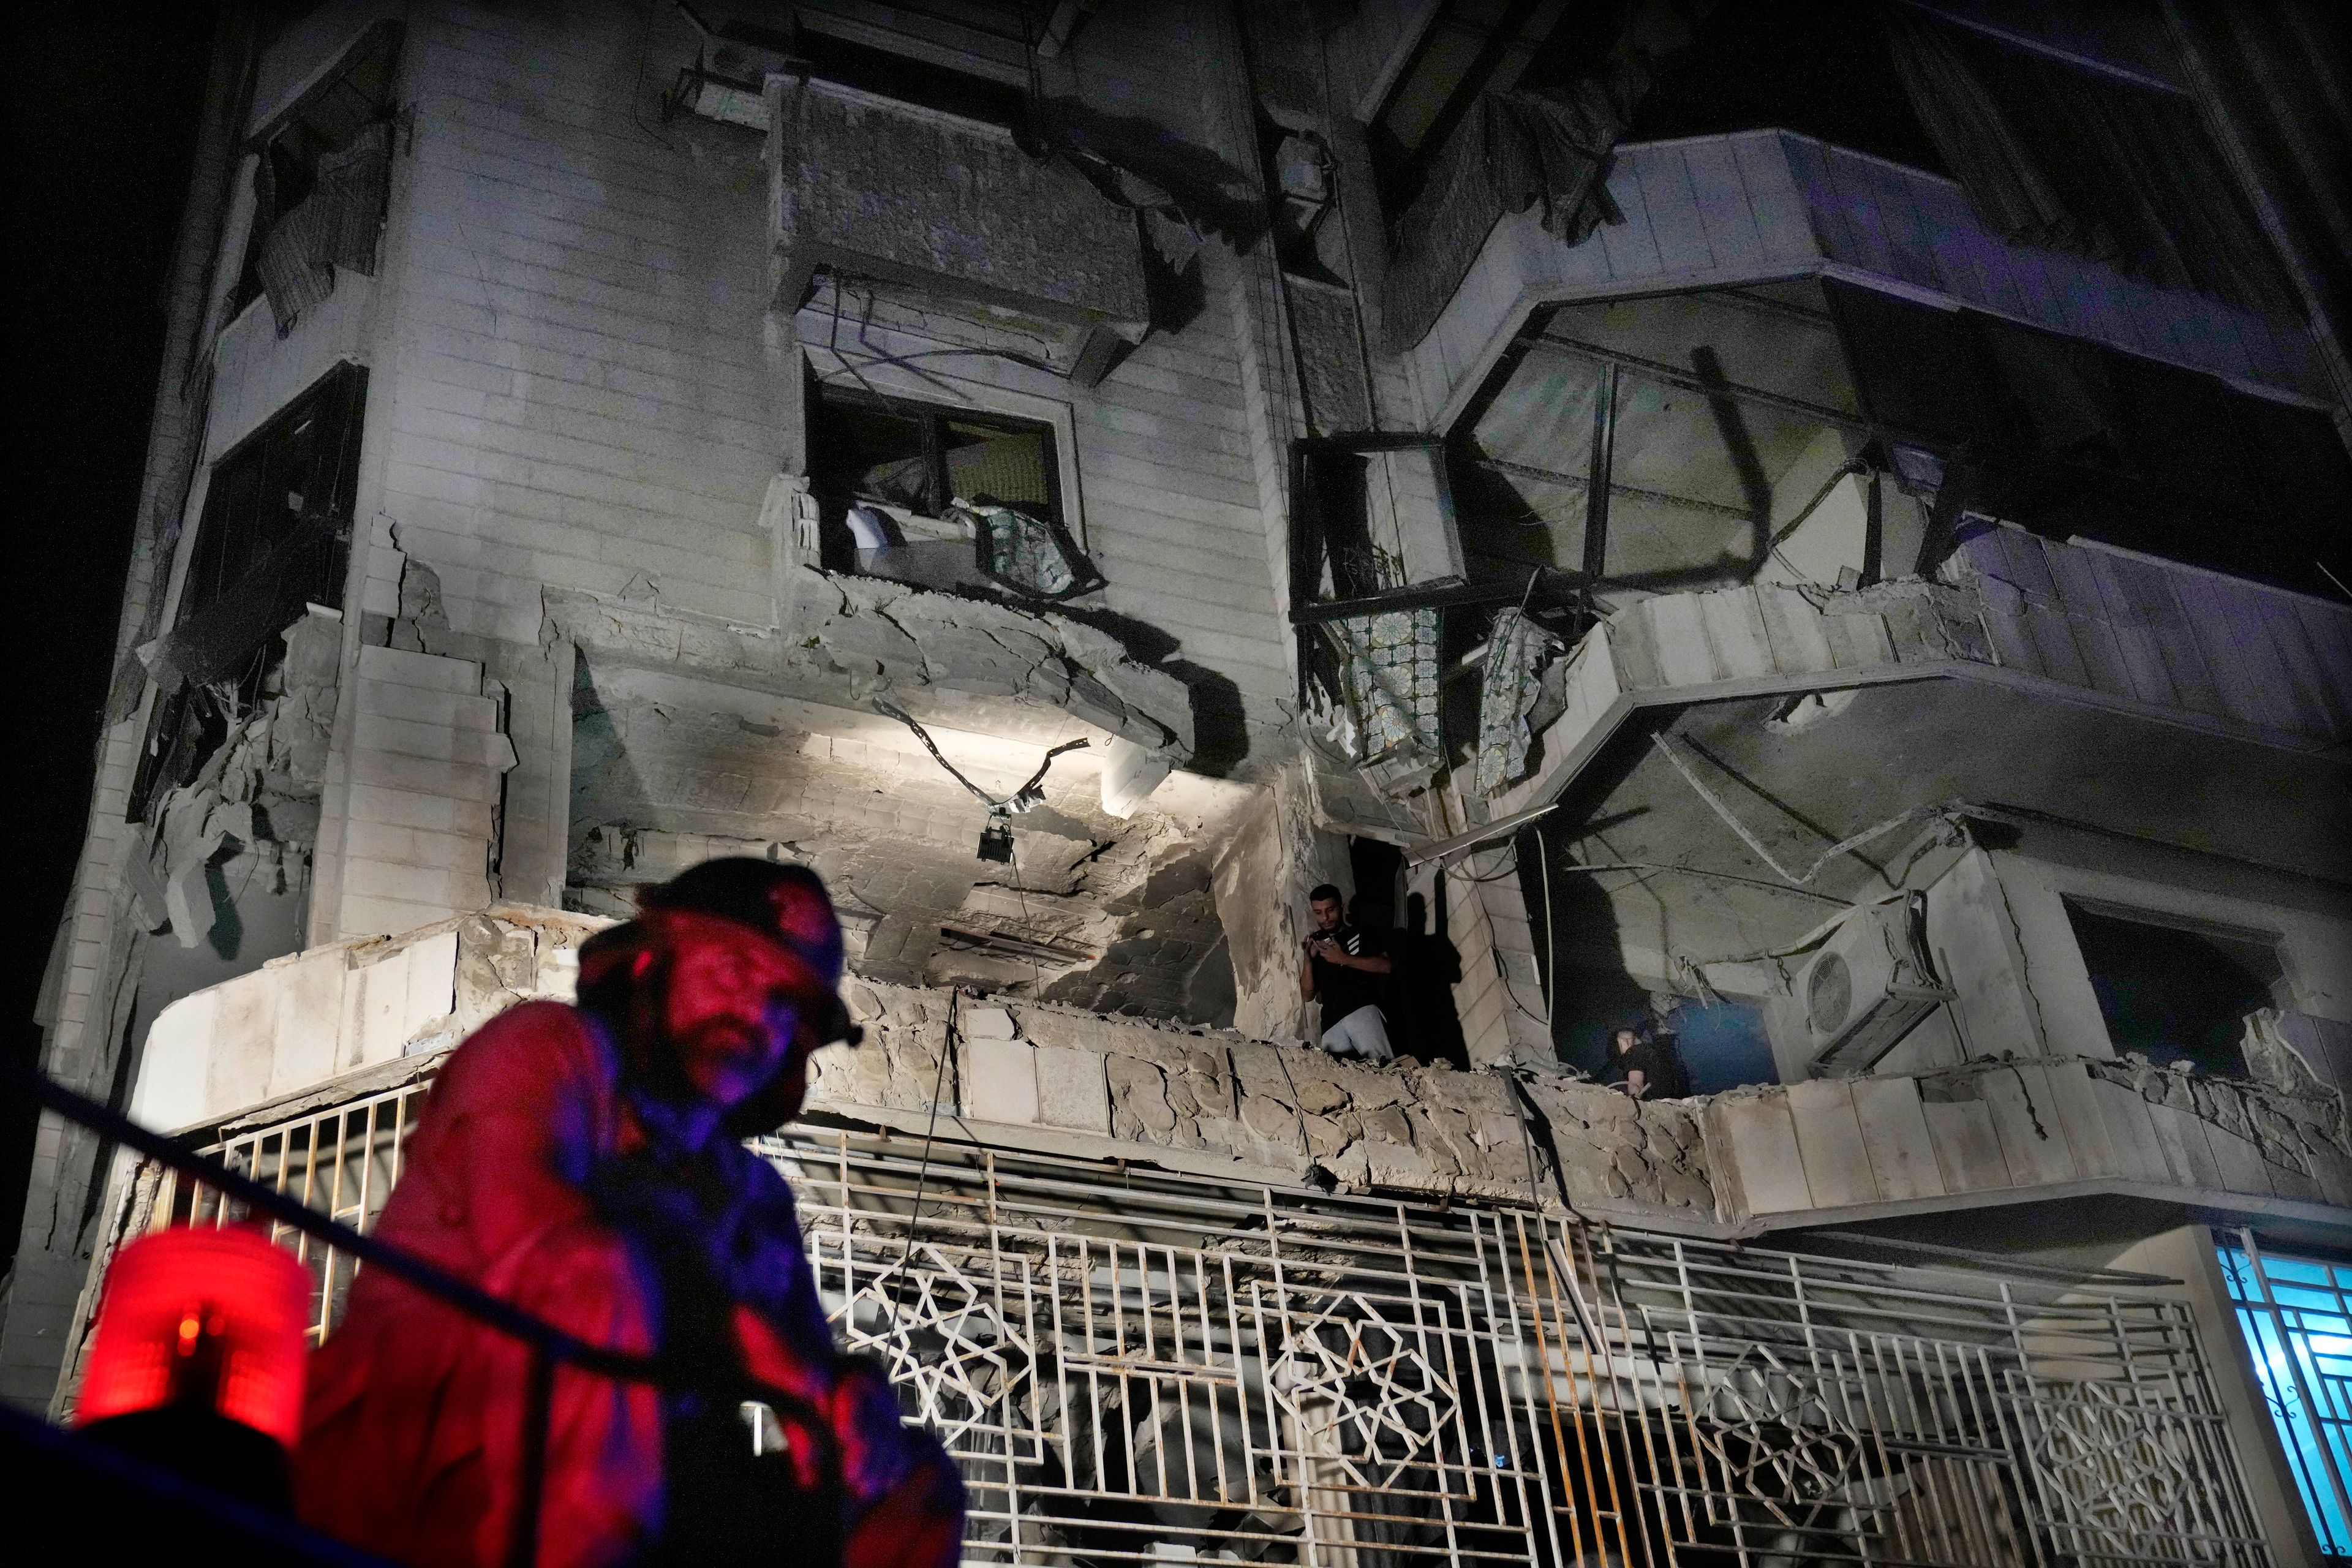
(1133,1366)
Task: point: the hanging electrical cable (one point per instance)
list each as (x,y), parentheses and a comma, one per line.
(1844,847)
(996,837)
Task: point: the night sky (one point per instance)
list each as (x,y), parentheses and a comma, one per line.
(102,109)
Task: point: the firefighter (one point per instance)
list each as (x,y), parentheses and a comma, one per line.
(585,1164)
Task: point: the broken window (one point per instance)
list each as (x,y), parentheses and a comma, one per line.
(323,177)
(2067,437)
(1468,47)
(729,75)
(1372,515)
(945,497)
(274,536)
(2177,992)
(1668,443)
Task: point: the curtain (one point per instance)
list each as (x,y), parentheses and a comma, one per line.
(1391,679)
(1516,652)
(1521,149)
(1030,554)
(2056,156)
(335,226)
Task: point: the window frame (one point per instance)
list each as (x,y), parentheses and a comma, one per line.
(380,42)
(340,392)
(2261,1323)
(1040,416)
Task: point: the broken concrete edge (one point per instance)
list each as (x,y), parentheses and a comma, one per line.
(258,792)
(1139,1088)
(844,640)
(1057,1078)
(821,1116)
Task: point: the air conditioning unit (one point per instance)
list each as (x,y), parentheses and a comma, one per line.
(1870,985)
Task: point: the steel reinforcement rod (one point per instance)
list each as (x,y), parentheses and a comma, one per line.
(550,1345)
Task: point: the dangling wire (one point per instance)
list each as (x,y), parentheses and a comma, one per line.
(939,1080)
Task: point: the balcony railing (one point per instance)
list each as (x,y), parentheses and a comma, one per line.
(1246,1373)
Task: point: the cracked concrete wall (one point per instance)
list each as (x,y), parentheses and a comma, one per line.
(1999,1128)
(2309,927)
(1218,1101)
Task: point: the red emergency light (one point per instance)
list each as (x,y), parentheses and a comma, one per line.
(203,1319)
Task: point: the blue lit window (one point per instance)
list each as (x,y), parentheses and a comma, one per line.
(2296,1316)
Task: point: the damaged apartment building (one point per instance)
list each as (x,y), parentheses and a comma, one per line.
(1816,532)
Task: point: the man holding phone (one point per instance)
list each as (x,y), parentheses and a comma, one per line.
(1344,968)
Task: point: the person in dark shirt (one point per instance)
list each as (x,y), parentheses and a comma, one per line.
(1643,1067)
(1344,968)
(1420,1003)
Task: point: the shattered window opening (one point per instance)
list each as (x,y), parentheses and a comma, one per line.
(910,78)
(323,182)
(2177,993)
(943,498)
(2070,438)
(275,535)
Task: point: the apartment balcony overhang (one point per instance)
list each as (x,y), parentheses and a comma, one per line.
(952,211)
(1765,205)
(862,644)
(358,1027)
(2052,681)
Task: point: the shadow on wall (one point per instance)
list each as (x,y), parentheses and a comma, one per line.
(1723,1043)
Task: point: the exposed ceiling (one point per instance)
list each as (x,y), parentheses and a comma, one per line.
(1873,753)
(1091,909)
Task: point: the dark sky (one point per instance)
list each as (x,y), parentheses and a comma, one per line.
(101,107)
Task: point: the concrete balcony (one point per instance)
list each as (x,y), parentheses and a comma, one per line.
(1763,205)
(354,1020)
(2079,623)
(952,209)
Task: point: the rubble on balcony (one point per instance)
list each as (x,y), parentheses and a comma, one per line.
(876,731)
(359,1017)
(1215,1101)
(849,639)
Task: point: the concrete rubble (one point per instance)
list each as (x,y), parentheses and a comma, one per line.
(1208,1097)
(849,639)
(2292,1118)
(257,794)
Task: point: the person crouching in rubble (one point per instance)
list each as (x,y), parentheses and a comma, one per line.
(585,1164)
(1343,969)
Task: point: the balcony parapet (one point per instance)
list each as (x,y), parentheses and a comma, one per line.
(361,1018)
(963,216)
(1764,205)
(2010,1129)
(2078,621)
